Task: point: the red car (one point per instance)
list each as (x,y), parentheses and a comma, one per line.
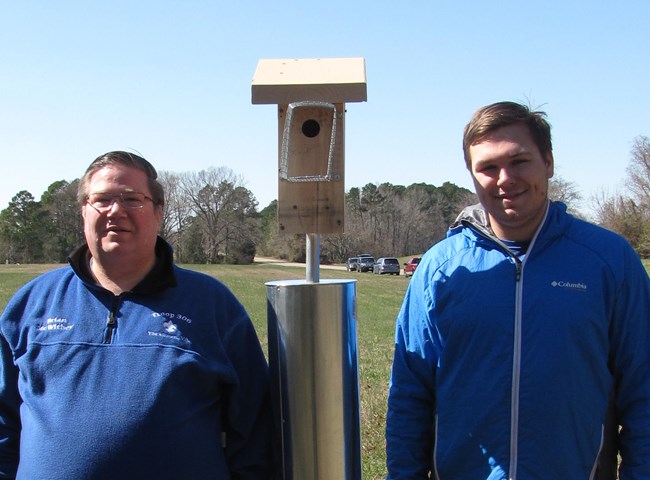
(410,266)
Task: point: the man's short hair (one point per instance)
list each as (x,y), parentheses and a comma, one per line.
(126,159)
(501,114)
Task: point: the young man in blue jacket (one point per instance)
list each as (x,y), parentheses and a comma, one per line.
(524,338)
(125,366)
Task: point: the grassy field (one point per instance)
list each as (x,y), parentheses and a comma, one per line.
(378,300)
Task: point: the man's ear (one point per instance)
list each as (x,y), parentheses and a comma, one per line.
(158,212)
(550,163)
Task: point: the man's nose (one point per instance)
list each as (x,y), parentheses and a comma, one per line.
(505,176)
(116,206)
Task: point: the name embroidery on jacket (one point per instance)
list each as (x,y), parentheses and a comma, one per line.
(54,323)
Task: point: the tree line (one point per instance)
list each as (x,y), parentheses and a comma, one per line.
(210,217)
(381,220)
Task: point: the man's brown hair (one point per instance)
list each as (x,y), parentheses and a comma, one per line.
(129,160)
(501,114)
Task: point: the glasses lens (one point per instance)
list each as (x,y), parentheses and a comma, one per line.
(100,200)
(133,200)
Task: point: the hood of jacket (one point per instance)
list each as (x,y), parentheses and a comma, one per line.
(473,221)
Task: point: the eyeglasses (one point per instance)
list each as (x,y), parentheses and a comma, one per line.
(103,202)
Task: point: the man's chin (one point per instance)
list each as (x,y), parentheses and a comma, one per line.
(113,246)
(512,213)
(505,213)
(508,218)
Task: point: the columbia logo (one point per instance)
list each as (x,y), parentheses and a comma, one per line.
(572,285)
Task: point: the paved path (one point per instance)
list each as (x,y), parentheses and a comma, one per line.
(278,261)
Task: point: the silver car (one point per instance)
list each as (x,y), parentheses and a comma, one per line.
(386,265)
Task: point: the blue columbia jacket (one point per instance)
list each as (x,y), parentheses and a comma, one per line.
(167,381)
(506,368)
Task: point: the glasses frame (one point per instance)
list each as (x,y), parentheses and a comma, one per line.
(117,197)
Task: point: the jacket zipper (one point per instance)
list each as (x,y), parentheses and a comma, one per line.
(516,355)
(516,372)
(110,326)
(111,321)
(516,360)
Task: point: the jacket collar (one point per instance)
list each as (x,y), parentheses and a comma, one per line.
(476,219)
(160,277)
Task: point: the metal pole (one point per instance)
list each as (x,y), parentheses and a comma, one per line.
(314,378)
(313,257)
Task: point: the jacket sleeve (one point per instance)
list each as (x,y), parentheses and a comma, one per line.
(411,397)
(248,422)
(631,363)
(9,412)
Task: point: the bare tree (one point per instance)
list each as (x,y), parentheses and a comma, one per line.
(176,213)
(628,213)
(337,246)
(638,171)
(395,220)
(566,192)
(223,210)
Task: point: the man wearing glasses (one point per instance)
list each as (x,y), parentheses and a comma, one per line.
(123,365)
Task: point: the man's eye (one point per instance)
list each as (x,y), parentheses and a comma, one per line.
(101,199)
(133,200)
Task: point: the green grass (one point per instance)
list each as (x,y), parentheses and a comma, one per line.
(378,300)
(14,276)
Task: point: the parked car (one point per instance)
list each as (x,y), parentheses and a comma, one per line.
(351,264)
(386,265)
(410,266)
(365,264)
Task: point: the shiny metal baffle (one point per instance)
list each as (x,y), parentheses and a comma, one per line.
(314,377)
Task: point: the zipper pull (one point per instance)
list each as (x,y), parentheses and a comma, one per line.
(518,264)
(110,326)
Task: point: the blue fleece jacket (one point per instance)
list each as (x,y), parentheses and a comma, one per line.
(168,381)
(504,368)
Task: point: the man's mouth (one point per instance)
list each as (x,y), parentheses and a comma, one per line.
(509,196)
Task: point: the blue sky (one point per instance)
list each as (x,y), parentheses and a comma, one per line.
(172,81)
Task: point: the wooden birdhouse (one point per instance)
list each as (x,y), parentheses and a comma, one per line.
(311,96)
